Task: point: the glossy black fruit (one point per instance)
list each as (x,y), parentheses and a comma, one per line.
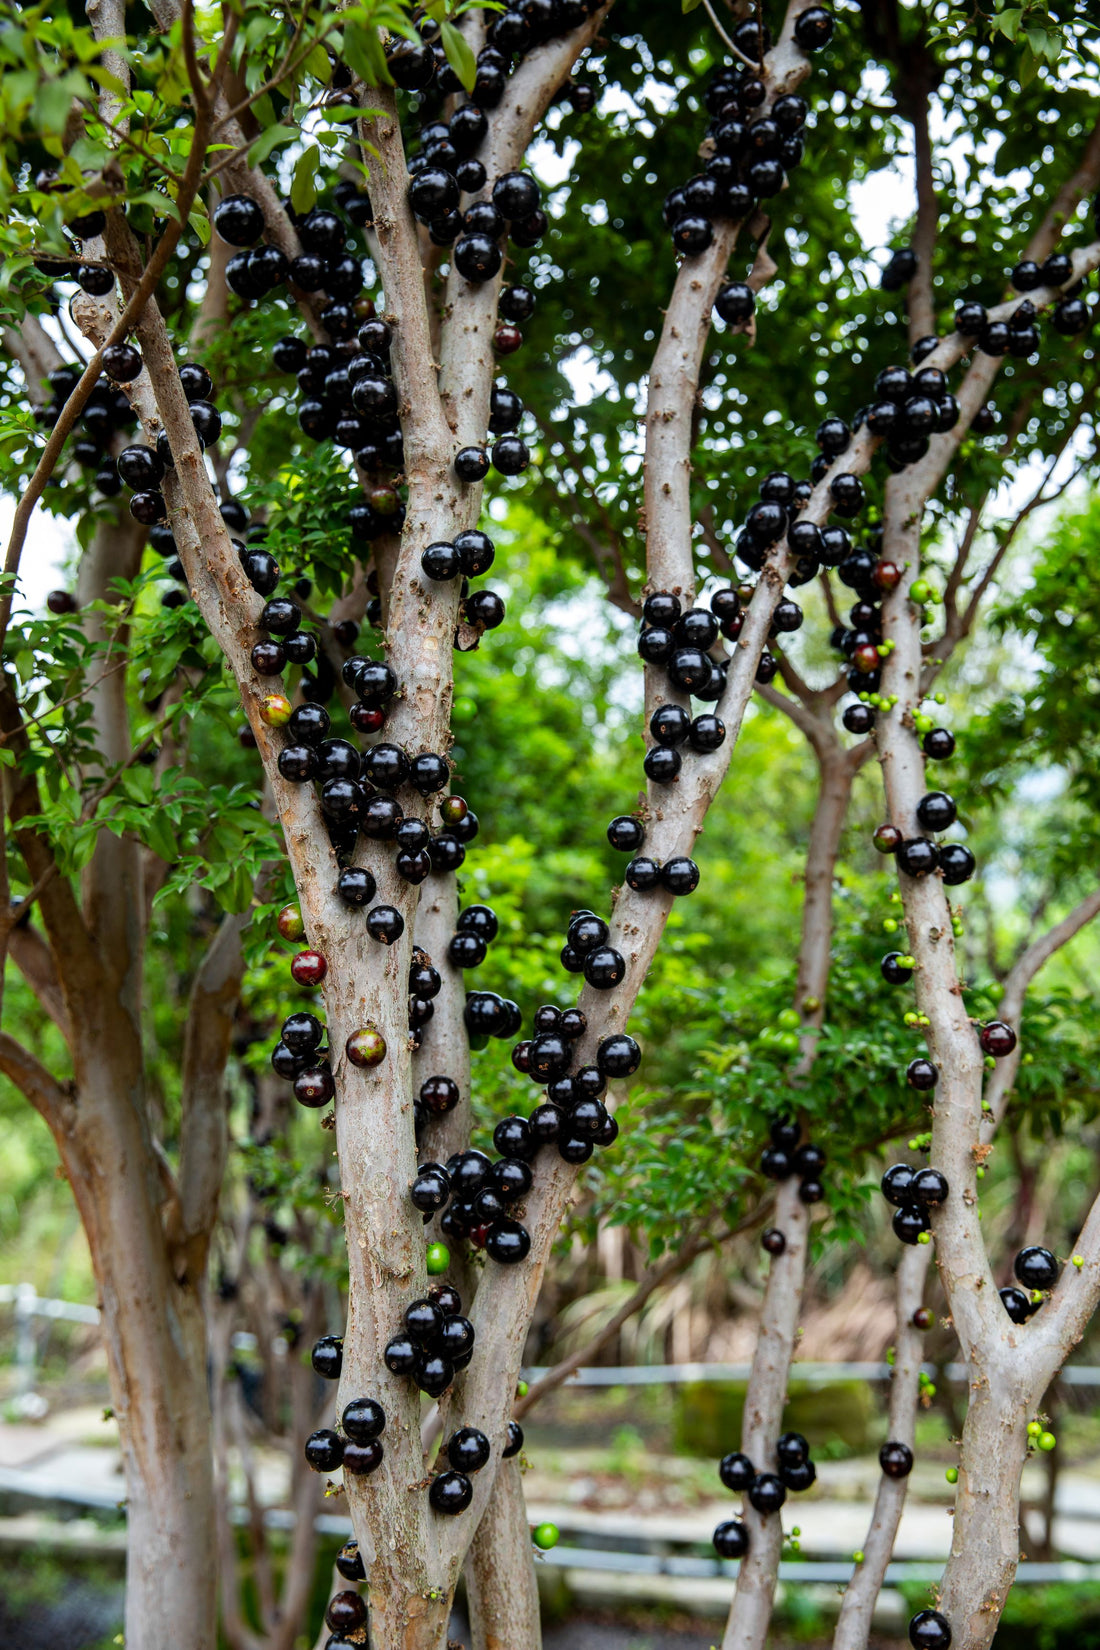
(468,1450)
(450,1493)
(363,1420)
(929,1630)
(1016,1304)
(1036,1268)
(324,1450)
(895,1459)
(737,1472)
(626,833)
(768,1492)
(239,220)
(327,1357)
(731,1539)
(910,1222)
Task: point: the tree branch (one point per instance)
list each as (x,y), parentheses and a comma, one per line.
(48,1097)
(861,1594)
(204,1137)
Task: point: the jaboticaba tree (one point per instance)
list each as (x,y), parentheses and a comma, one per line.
(285,304)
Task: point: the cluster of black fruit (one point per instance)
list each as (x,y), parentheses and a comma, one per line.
(470,554)
(912,1193)
(681,643)
(749,149)
(94,279)
(357,1447)
(1037,1270)
(106,412)
(626,832)
(908,408)
(435,1342)
(917,856)
(475,1195)
(786,1156)
(357,787)
(346,1611)
(323,265)
(421,65)
(1019,334)
(299,1058)
(775,516)
(766,1491)
(572,1116)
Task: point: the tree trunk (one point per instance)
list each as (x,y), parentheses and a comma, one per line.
(500,1574)
(155,1336)
(985,1546)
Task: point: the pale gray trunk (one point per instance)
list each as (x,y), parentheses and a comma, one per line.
(500,1573)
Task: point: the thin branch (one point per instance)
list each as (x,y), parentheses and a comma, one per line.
(48,1097)
(861,1594)
(1023,971)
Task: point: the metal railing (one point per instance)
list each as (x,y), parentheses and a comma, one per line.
(29,1304)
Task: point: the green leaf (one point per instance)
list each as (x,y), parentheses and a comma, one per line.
(303,187)
(318,65)
(158,835)
(273,138)
(364,55)
(459,55)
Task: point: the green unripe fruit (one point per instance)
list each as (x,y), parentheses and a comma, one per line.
(1046,1441)
(952,1475)
(546,1536)
(438,1259)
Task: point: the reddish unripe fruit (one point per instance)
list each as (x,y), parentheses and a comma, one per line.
(453,810)
(887,839)
(478,1236)
(346,1612)
(308,968)
(362,1459)
(383,501)
(506,340)
(923,1318)
(887,575)
(865,658)
(289,922)
(366,1047)
(997,1039)
(275,709)
(367,718)
(521,1057)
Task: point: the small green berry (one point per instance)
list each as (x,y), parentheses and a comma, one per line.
(546,1536)
(924,1237)
(1046,1441)
(438,1259)
(857,1556)
(1078,1261)
(952,1475)
(1034,1428)
(890,925)
(522,1389)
